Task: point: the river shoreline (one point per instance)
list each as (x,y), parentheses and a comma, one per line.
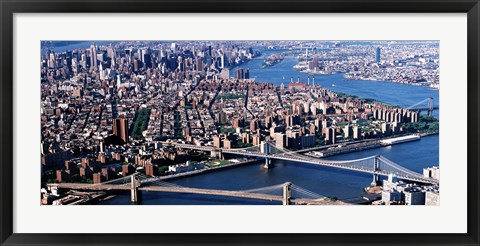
(325,181)
(209,170)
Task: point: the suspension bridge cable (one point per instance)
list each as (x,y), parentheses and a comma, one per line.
(397,167)
(305,191)
(163,183)
(418,103)
(267,188)
(114,181)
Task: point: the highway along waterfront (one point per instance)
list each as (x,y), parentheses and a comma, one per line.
(326,181)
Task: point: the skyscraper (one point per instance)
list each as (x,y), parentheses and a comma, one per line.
(199,64)
(135,65)
(93,55)
(377,55)
(147,60)
(120,129)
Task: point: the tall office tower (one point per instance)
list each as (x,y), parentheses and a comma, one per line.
(93,55)
(52,61)
(120,129)
(147,60)
(377,55)
(135,65)
(111,52)
(221,59)
(68,60)
(140,54)
(199,63)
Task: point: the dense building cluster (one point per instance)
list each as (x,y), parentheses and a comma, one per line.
(412,62)
(109,99)
(397,192)
(108,110)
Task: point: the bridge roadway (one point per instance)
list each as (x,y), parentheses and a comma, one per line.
(424,109)
(353,168)
(228,193)
(127,186)
(309,160)
(236,151)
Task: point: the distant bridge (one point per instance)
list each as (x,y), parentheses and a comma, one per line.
(375,165)
(137,183)
(429,108)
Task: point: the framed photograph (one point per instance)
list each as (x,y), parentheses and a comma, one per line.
(248,123)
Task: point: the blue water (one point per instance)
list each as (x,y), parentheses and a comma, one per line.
(413,155)
(402,95)
(322,180)
(80,45)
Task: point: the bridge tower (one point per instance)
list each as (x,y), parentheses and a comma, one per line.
(135,194)
(376,168)
(430,106)
(287,193)
(265,148)
(220,155)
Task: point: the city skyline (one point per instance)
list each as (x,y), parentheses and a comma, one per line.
(162,110)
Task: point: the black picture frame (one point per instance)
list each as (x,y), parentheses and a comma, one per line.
(9,7)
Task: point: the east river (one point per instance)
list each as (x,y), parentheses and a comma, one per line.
(322,180)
